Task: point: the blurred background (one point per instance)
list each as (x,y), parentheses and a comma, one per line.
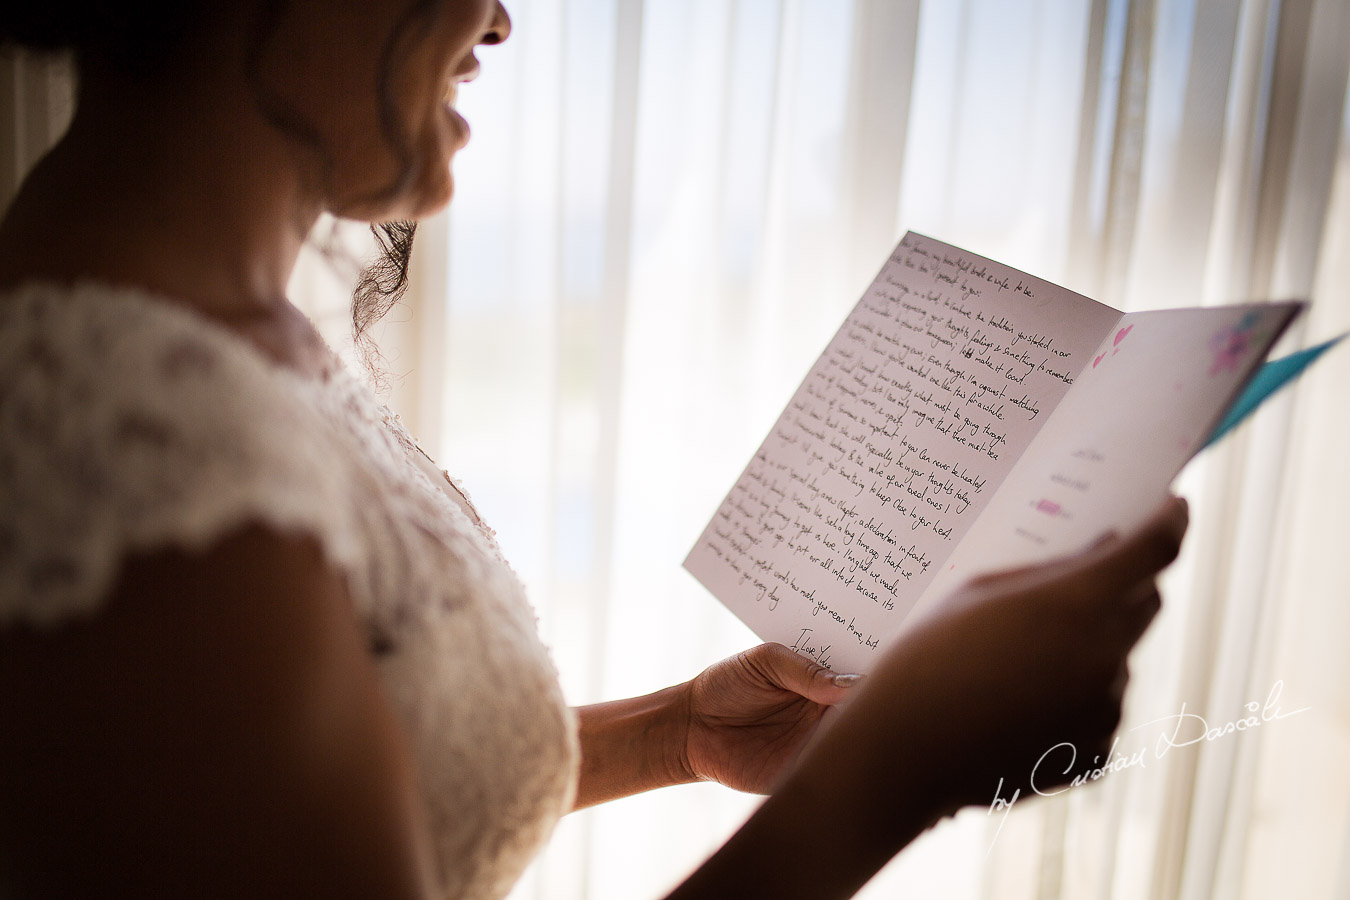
(668,207)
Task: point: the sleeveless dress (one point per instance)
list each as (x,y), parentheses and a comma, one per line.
(128,423)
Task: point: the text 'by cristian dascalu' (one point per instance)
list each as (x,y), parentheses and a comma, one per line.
(1183,729)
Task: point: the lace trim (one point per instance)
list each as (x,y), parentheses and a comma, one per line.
(116,437)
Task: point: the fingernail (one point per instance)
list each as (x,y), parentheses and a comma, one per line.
(846,680)
(1104,539)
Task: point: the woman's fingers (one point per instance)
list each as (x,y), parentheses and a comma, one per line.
(794,672)
(1137,612)
(1121,681)
(1141,555)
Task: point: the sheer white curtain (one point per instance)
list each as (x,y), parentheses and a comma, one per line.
(667,208)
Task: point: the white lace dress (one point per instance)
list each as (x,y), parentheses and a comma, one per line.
(128,423)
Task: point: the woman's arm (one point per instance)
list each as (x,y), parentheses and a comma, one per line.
(630,746)
(217,730)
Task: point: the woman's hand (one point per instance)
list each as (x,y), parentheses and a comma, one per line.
(1024,671)
(749,716)
(1011,684)
(742,723)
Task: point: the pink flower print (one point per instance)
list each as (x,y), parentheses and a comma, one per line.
(1228,347)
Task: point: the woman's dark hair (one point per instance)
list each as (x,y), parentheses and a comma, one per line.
(145,37)
(138,37)
(379,288)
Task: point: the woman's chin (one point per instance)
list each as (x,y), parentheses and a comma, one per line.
(459,126)
(432,192)
(423,196)
(437,201)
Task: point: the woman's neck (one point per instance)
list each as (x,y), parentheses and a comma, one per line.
(183,190)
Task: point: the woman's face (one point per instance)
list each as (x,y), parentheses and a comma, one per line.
(376,83)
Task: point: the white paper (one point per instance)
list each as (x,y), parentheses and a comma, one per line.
(958,405)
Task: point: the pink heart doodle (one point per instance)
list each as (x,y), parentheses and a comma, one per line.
(1098,360)
(1120,335)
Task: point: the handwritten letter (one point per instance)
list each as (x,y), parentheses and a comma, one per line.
(891,447)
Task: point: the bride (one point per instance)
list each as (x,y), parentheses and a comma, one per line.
(254,643)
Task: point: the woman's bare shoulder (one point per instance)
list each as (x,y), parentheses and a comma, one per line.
(221,715)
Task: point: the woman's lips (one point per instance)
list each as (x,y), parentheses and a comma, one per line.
(451,97)
(452,86)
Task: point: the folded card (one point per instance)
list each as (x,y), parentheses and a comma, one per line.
(966,417)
